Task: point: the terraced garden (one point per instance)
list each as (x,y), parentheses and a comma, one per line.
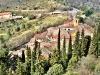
(25,29)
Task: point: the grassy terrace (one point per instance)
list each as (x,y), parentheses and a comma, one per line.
(36,25)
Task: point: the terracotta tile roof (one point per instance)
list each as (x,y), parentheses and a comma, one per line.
(69,23)
(36,35)
(5,13)
(42,35)
(15,52)
(47,44)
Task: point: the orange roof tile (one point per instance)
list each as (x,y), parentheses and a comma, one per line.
(41,35)
(69,23)
(5,13)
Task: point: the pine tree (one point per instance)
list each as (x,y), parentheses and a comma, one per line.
(93,50)
(76,47)
(58,46)
(70,48)
(64,55)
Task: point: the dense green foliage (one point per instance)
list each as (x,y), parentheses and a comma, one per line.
(56,69)
(32,63)
(94,44)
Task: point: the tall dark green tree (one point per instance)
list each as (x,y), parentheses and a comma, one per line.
(27,60)
(58,46)
(76,46)
(54,57)
(82,33)
(23,56)
(33,57)
(19,67)
(88,42)
(35,48)
(38,67)
(93,50)
(70,48)
(32,63)
(28,53)
(83,43)
(64,55)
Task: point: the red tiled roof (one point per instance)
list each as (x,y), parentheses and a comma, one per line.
(46,44)
(36,35)
(5,13)
(69,23)
(44,34)
(41,35)
(15,52)
(62,36)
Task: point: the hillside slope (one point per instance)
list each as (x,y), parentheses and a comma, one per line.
(80,3)
(29,4)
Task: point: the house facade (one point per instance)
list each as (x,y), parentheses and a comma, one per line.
(5,15)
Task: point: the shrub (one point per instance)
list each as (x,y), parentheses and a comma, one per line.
(56,69)
(97,69)
(86,65)
(72,62)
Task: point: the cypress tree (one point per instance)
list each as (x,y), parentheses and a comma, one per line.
(33,57)
(32,63)
(35,48)
(19,67)
(64,55)
(58,46)
(23,56)
(54,57)
(88,41)
(82,33)
(83,43)
(76,47)
(70,48)
(38,52)
(28,53)
(93,50)
(38,67)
